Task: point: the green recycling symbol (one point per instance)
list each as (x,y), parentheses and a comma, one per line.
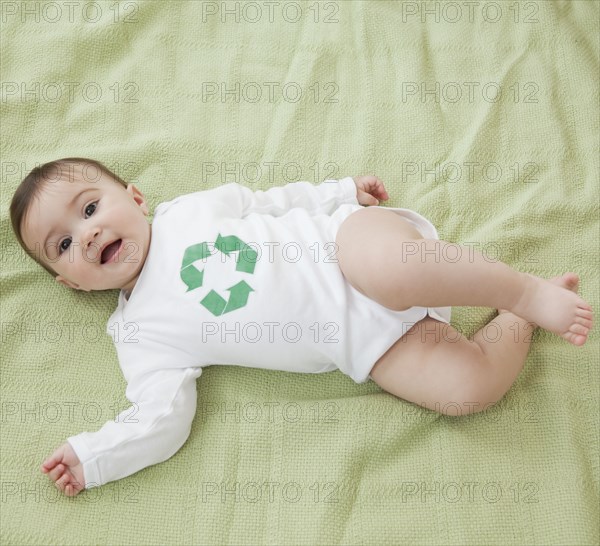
(239,292)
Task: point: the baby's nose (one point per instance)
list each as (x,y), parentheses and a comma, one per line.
(89,239)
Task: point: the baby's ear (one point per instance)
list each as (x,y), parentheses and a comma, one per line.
(138,197)
(66,282)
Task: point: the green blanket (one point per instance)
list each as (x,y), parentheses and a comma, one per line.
(481,116)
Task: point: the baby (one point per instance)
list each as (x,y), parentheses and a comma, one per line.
(304,278)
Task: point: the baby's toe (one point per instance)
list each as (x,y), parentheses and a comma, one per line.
(585,322)
(584,313)
(579,329)
(575,339)
(571,281)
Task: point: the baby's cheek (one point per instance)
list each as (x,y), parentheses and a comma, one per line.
(89,256)
(76,265)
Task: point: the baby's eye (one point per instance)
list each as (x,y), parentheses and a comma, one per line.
(90,205)
(62,248)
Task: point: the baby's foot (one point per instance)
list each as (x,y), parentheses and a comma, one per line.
(555,306)
(570,281)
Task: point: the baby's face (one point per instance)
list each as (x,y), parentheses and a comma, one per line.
(70,225)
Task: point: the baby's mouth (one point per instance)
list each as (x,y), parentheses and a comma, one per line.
(109,252)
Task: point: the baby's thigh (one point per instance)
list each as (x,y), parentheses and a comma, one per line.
(367,238)
(435,366)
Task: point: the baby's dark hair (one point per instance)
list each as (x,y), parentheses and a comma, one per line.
(38,178)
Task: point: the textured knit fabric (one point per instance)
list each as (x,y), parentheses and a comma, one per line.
(166,94)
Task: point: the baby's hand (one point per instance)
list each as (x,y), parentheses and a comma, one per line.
(369,190)
(64,468)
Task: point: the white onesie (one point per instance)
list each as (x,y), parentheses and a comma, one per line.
(237,277)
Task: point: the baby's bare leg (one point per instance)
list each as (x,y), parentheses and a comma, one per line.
(436,367)
(444,273)
(407,271)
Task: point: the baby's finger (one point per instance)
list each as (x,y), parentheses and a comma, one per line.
(379,190)
(375,187)
(367,199)
(53,460)
(63,481)
(57,472)
(49,463)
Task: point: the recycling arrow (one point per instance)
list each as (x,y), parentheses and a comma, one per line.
(246,259)
(193,277)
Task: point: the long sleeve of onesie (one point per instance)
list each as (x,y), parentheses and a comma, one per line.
(323,198)
(150,431)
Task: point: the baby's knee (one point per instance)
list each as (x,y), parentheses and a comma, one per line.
(476,393)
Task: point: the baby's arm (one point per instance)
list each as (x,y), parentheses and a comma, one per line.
(322,198)
(152,430)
